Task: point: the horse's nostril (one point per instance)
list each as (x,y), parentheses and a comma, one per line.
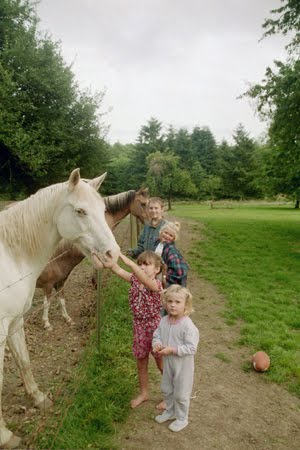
(108,254)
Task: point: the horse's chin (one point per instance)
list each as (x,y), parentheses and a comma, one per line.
(97,263)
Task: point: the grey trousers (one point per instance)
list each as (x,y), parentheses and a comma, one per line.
(177,384)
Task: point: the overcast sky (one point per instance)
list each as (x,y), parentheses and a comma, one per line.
(184,62)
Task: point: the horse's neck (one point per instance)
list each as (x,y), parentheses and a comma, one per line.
(113,219)
(51,241)
(73,256)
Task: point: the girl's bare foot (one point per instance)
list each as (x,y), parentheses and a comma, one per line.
(138,400)
(161,406)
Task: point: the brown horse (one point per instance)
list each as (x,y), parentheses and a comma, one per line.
(67,256)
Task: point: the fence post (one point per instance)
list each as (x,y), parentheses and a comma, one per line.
(133,232)
(98,309)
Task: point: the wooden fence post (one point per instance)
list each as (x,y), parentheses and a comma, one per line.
(133,232)
(99,309)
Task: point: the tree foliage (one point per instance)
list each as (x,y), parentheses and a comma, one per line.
(278,101)
(286,21)
(47,125)
(166,179)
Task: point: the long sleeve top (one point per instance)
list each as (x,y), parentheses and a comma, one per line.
(182,335)
(147,239)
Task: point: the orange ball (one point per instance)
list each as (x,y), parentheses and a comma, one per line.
(261,361)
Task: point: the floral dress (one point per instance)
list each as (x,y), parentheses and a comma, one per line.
(145,306)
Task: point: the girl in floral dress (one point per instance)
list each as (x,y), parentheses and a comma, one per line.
(145,304)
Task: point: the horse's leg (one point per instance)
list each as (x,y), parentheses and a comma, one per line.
(17,345)
(7,438)
(46,304)
(59,286)
(64,312)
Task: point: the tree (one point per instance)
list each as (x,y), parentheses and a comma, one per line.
(166,179)
(47,126)
(204,148)
(150,140)
(211,187)
(182,147)
(287,21)
(278,102)
(237,166)
(119,176)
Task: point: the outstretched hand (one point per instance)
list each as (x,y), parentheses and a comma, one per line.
(99,264)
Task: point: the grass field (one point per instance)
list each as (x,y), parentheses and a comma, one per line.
(252,253)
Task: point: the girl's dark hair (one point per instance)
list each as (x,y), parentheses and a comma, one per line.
(149,257)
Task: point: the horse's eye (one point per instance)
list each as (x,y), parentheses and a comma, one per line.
(81,212)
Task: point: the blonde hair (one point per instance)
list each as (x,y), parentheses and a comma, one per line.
(178,289)
(172,227)
(149,257)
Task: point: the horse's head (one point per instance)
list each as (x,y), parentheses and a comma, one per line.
(82,221)
(139,205)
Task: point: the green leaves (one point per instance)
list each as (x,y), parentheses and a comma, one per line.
(278,102)
(47,125)
(286,22)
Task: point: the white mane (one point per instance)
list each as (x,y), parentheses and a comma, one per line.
(21,225)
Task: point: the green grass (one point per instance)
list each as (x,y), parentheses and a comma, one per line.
(222,357)
(252,253)
(98,397)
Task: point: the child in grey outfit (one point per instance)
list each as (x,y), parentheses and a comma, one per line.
(176,339)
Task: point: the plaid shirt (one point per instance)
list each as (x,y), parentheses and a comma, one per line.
(177,267)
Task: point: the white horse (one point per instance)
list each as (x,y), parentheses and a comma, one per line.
(29,233)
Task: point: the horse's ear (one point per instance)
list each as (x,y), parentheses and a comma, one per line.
(144,191)
(74,178)
(96,182)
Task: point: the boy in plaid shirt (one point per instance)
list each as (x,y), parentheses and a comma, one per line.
(176,266)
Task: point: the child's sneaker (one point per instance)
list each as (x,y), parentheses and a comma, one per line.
(164,417)
(178,425)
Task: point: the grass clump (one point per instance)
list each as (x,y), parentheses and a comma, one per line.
(222,357)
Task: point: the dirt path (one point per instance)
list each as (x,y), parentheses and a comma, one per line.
(232,409)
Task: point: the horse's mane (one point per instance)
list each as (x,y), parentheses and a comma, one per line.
(118,202)
(21,225)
